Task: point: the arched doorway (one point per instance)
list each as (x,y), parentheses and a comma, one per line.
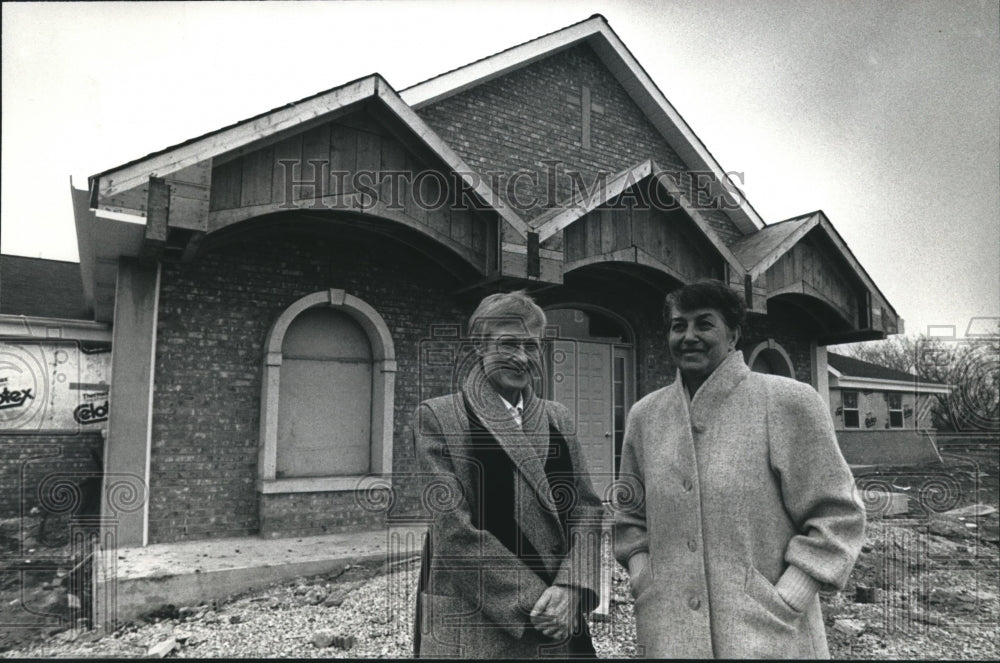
(591,372)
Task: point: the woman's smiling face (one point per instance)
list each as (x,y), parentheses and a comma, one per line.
(699,340)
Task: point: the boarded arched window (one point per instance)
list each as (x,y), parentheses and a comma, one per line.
(327,397)
(325,400)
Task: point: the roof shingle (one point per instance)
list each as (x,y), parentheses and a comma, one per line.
(40,287)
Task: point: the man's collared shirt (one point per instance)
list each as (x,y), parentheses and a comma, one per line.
(514,410)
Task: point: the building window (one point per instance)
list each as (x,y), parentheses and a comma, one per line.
(849,401)
(895,410)
(327,398)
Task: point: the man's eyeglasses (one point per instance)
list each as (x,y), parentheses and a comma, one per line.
(510,346)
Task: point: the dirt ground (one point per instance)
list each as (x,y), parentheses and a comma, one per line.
(926,586)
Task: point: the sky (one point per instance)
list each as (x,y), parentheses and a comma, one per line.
(884,114)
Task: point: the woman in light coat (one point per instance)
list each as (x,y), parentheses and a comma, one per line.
(741,506)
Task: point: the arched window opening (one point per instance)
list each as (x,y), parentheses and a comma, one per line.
(770,358)
(327,397)
(324,406)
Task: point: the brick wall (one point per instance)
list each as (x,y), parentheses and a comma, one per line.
(760,327)
(31,462)
(516,122)
(214,317)
(213,321)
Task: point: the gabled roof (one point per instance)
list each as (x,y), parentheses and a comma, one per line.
(851,372)
(862,369)
(758,254)
(41,288)
(596,33)
(296,116)
(558,218)
(753,249)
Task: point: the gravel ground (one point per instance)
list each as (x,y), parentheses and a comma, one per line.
(923,588)
(926,607)
(374,606)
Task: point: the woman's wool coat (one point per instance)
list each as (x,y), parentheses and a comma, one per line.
(730,489)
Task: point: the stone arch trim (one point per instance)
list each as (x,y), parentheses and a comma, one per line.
(583,306)
(772,345)
(383,395)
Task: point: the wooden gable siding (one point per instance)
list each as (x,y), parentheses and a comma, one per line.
(667,236)
(518,122)
(807,268)
(284,175)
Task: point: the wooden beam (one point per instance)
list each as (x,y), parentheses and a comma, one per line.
(700,221)
(534,263)
(158,211)
(550,223)
(189,196)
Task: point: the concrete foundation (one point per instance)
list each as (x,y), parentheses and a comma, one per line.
(131,582)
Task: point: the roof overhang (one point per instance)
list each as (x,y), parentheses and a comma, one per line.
(839,381)
(803,225)
(103,237)
(596,33)
(558,219)
(115,218)
(280,122)
(813,220)
(27,327)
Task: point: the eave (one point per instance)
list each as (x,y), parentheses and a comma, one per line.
(881,384)
(558,219)
(294,117)
(27,327)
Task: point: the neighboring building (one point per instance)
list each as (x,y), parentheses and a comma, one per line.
(285,290)
(55,368)
(882,415)
(866,396)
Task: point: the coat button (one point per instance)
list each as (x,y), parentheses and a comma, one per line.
(694,603)
(692,545)
(688,485)
(698,428)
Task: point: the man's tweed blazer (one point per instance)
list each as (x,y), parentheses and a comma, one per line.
(479,594)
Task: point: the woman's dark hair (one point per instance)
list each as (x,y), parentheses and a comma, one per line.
(707,293)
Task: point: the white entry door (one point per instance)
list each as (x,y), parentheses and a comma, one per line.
(582,380)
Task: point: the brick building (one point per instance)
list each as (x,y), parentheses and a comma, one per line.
(282,292)
(54,383)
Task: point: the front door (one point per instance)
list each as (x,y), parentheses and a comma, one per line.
(582,382)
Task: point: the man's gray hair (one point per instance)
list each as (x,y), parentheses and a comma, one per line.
(505,306)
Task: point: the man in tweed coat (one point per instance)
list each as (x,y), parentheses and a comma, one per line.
(511,564)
